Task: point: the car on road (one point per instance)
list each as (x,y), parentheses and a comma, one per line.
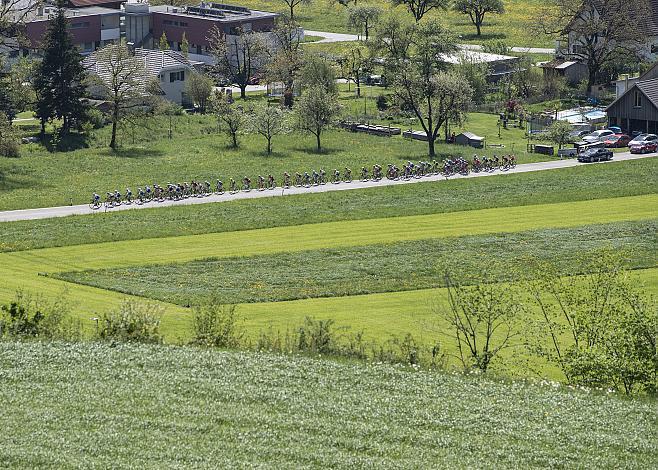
(644,143)
(617,141)
(598,136)
(595,155)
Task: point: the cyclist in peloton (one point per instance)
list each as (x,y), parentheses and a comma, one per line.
(117,196)
(129,195)
(348,174)
(286,179)
(336,176)
(233,186)
(270,181)
(220,186)
(247,183)
(261,182)
(96,199)
(323,174)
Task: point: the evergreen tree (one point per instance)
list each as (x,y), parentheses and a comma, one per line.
(185,45)
(60,75)
(164,43)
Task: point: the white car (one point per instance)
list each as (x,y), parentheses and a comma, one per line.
(598,136)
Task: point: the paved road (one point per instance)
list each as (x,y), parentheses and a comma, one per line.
(63,211)
(339,37)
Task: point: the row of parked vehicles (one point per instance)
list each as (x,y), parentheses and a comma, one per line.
(614,138)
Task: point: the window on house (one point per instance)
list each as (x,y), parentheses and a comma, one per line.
(177,76)
(80,25)
(637,99)
(577,49)
(654,48)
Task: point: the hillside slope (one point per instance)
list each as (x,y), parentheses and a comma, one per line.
(95,405)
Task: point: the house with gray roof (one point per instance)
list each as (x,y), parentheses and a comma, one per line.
(167,71)
(637,108)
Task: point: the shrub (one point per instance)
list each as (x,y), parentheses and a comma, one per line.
(132,322)
(96,118)
(216,325)
(9,139)
(33,317)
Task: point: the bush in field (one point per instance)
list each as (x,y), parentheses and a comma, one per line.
(602,332)
(9,143)
(216,325)
(132,322)
(483,318)
(33,317)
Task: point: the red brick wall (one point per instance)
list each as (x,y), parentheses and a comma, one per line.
(36,29)
(198,29)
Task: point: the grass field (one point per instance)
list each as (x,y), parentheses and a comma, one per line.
(121,406)
(40,178)
(21,269)
(573,184)
(514,27)
(391,267)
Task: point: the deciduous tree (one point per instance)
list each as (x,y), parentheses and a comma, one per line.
(268,121)
(316,110)
(238,57)
(121,78)
(292,4)
(598,327)
(484,318)
(601,31)
(363,18)
(412,55)
(560,133)
(418,8)
(285,57)
(230,117)
(478,9)
(199,88)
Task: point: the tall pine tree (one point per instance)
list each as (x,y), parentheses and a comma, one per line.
(59,80)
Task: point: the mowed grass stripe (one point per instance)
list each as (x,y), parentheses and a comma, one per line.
(367,269)
(335,234)
(20,269)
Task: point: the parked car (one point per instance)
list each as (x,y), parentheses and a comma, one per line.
(644,143)
(595,155)
(616,129)
(617,141)
(598,136)
(577,135)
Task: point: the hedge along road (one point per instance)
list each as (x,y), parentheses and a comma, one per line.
(63,211)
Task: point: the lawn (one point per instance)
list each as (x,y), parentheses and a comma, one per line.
(390,267)
(40,178)
(572,184)
(127,406)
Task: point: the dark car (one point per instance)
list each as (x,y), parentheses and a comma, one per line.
(595,155)
(617,141)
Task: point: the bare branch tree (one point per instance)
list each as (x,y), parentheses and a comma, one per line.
(239,57)
(120,76)
(600,32)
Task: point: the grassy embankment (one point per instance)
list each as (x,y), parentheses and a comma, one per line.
(126,406)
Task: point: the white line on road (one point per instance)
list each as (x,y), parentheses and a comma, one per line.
(63,211)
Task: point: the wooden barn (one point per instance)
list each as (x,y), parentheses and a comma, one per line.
(637,108)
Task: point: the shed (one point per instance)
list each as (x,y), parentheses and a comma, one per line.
(468,138)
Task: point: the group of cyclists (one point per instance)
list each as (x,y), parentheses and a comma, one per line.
(178,191)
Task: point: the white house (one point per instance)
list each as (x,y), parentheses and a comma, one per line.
(170,69)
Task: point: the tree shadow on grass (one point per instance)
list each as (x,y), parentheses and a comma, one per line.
(16,178)
(132,152)
(486,36)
